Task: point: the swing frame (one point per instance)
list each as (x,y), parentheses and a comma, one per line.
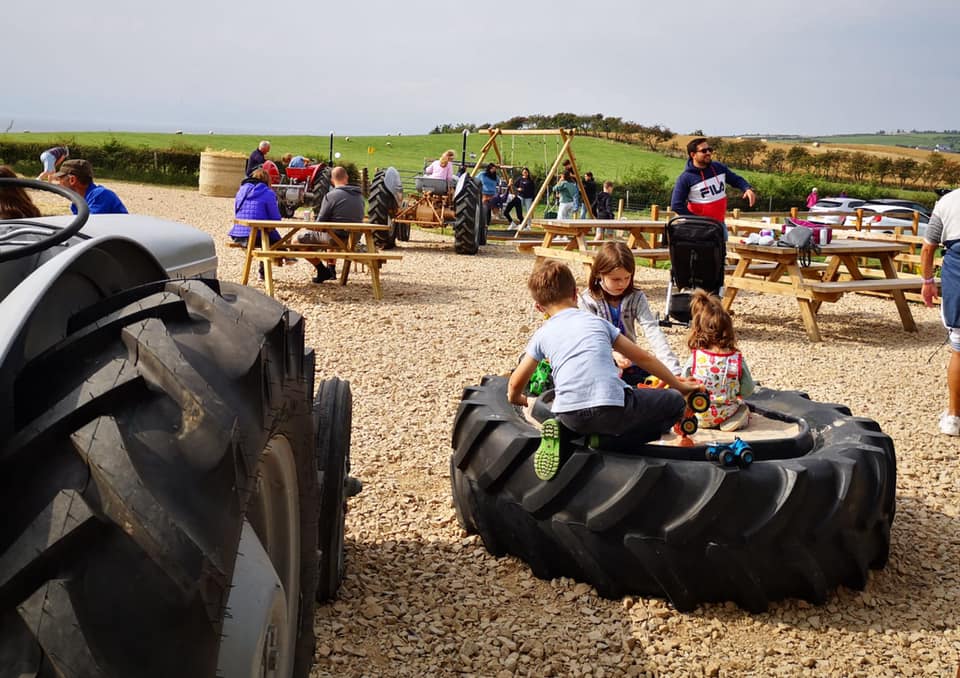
(566,135)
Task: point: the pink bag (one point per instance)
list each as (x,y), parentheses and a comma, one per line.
(822,234)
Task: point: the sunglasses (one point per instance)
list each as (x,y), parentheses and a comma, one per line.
(705,150)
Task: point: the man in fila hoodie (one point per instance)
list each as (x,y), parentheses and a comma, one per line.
(702,187)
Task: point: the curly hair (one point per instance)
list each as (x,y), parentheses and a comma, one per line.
(710,325)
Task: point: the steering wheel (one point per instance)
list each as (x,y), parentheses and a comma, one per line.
(58,235)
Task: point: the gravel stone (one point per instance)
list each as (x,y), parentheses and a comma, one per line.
(445,321)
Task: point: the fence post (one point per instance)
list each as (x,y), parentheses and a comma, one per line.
(365,182)
(793,212)
(859,218)
(655,212)
(620,210)
(736,212)
(627,198)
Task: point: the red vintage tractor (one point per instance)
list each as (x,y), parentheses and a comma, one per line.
(299,186)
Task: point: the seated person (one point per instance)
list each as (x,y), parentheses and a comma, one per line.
(715,361)
(298,161)
(590,398)
(442,168)
(343,203)
(255,200)
(611,295)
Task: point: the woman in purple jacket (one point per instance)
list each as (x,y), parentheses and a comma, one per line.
(255,200)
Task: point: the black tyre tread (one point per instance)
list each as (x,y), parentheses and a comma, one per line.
(380,204)
(333,412)
(319,189)
(683,528)
(128,479)
(466,224)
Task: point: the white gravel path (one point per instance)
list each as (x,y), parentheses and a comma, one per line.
(423,599)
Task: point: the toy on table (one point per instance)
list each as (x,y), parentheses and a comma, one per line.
(738,453)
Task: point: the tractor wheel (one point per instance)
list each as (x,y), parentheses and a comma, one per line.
(813,514)
(159,491)
(319,188)
(380,205)
(333,414)
(403,232)
(468,226)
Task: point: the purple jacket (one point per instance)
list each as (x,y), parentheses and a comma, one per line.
(255,200)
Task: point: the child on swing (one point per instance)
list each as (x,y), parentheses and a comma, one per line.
(590,398)
(717,364)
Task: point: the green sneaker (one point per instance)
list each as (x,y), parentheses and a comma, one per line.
(546,460)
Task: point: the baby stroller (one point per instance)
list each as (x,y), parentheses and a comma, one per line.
(698,256)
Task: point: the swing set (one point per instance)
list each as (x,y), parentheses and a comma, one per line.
(566,136)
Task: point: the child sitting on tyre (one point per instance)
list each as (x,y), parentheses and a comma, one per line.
(590,398)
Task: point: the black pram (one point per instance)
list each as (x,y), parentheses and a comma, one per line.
(698,254)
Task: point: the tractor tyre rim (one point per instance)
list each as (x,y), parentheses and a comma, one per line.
(267,578)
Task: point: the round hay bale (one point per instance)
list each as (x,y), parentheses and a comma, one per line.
(221,173)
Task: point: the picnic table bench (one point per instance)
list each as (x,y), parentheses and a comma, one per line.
(643,239)
(336,248)
(788,279)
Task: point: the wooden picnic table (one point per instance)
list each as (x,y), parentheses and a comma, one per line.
(337,248)
(643,238)
(787,278)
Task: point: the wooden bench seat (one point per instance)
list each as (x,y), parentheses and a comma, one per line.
(765,268)
(867,285)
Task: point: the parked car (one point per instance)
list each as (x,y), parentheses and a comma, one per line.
(830,210)
(899,202)
(887,218)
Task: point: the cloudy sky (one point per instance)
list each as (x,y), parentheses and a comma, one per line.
(378,66)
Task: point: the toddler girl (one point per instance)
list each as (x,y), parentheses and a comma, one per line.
(717,364)
(611,295)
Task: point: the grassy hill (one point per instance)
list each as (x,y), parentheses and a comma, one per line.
(906,139)
(606,159)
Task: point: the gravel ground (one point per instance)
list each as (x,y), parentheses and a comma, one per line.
(422,598)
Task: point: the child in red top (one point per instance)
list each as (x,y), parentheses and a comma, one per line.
(716,362)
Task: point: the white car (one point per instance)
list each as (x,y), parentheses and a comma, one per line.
(832,210)
(878,217)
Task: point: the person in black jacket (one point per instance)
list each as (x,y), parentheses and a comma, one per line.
(603,206)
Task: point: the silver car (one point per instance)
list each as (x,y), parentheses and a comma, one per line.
(833,210)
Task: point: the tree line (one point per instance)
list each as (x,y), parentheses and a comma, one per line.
(751,154)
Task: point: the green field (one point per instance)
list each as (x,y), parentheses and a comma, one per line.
(606,159)
(925,140)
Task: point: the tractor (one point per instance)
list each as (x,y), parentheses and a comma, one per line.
(299,186)
(436,203)
(172,487)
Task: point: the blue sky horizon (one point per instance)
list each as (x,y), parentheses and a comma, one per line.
(378,67)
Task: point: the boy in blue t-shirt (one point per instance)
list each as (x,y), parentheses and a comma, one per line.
(590,396)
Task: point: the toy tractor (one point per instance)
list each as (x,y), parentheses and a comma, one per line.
(738,453)
(300,186)
(172,491)
(436,204)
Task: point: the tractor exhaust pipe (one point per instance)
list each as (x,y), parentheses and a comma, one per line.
(463,153)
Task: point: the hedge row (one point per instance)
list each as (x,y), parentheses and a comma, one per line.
(178,166)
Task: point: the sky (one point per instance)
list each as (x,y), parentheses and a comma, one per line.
(377,67)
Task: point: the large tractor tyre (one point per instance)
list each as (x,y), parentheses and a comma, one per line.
(319,189)
(403,232)
(811,513)
(160,476)
(469,222)
(380,206)
(333,414)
